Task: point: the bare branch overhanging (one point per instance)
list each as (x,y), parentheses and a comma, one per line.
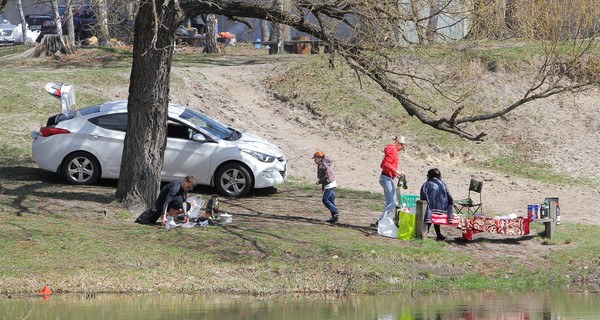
(368,35)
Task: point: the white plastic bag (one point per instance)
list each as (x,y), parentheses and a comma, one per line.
(196,204)
(386,226)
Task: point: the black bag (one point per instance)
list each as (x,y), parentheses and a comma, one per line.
(149,216)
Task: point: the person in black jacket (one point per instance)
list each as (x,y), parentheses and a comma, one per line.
(171,201)
(439,199)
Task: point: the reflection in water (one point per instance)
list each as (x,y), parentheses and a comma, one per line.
(451,305)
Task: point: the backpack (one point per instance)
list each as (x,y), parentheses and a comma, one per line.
(149,216)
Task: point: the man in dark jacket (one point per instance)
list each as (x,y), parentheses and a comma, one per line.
(171,201)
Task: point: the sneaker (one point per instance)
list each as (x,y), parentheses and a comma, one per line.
(333,219)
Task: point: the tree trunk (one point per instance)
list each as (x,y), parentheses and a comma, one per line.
(145,141)
(23,22)
(103,34)
(54,45)
(211,35)
(277,35)
(69,17)
(432,22)
(265,30)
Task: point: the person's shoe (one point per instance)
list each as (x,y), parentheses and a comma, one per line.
(333,219)
(440,238)
(374,225)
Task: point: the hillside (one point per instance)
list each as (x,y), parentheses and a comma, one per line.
(566,136)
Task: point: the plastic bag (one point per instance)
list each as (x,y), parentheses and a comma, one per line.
(407,225)
(196,204)
(386,226)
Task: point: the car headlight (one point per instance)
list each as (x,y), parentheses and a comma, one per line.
(259,155)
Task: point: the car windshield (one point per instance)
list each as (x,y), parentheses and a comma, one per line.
(212,126)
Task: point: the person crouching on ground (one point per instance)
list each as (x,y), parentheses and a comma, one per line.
(389,171)
(172,199)
(439,200)
(326,179)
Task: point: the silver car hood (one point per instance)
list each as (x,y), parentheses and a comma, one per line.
(256,143)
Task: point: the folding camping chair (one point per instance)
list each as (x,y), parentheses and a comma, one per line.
(469,205)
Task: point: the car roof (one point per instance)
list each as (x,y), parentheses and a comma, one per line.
(121,106)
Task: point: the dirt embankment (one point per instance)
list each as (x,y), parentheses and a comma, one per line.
(567,137)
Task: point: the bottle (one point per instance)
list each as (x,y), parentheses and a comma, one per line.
(257,46)
(402,182)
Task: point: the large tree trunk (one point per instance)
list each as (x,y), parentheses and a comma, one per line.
(143,151)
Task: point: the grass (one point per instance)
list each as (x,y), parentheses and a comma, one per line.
(77,239)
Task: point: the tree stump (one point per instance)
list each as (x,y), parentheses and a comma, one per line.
(54,45)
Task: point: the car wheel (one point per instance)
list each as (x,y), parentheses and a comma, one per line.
(80,168)
(233,180)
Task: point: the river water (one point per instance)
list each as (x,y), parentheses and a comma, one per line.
(447,305)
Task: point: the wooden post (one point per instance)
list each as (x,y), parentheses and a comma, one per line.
(550,226)
(420,225)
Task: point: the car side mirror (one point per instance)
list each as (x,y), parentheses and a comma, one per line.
(199,137)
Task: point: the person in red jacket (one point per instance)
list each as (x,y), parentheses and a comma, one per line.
(389,171)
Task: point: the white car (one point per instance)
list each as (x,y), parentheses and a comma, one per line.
(86,145)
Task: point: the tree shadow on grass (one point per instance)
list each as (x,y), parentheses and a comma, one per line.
(25,185)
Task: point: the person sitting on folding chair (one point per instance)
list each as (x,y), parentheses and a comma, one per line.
(439,200)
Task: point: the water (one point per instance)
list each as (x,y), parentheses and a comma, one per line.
(451,305)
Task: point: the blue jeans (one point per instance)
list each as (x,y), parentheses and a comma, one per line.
(389,191)
(329,200)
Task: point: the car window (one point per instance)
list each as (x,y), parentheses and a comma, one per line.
(204,122)
(179,131)
(115,121)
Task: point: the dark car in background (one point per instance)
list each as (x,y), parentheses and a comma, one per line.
(84,20)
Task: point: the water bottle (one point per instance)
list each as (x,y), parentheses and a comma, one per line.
(257,46)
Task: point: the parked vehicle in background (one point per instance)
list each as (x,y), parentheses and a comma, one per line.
(84,20)
(36,21)
(6,31)
(87,144)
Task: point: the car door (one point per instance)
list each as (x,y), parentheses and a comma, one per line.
(184,156)
(107,138)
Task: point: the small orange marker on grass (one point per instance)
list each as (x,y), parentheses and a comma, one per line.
(45,291)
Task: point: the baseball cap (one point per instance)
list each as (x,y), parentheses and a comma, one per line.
(318,154)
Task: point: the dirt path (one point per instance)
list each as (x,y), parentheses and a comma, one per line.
(234,94)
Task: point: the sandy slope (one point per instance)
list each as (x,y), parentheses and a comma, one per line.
(234,95)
